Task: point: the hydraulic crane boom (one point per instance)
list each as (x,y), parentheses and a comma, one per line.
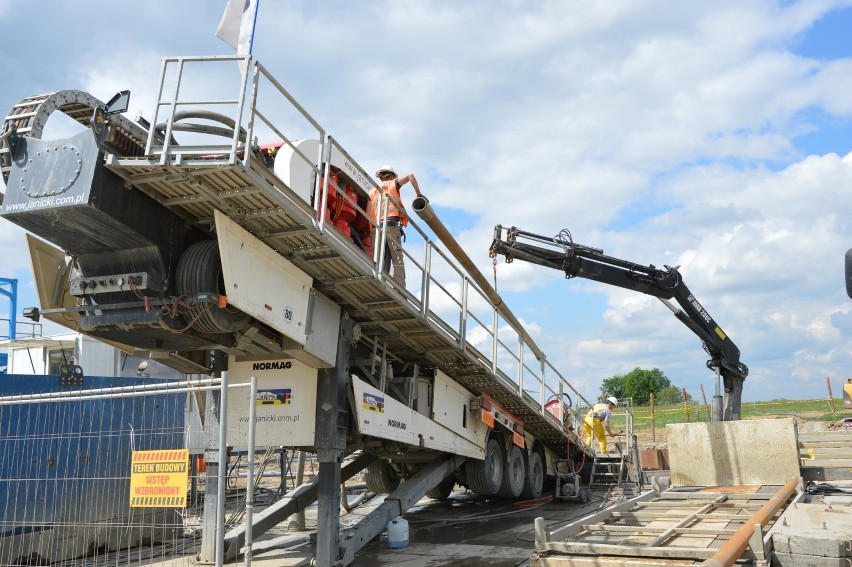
(576,260)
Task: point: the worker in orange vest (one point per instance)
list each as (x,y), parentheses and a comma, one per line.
(327,187)
(597,420)
(393,217)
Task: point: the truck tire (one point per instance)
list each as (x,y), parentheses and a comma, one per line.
(199,270)
(380,478)
(442,491)
(484,477)
(534,480)
(514,474)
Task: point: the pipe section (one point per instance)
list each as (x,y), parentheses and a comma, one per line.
(424,210)
(728,554)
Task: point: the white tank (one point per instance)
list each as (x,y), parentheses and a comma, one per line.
(398,533)
(293,170)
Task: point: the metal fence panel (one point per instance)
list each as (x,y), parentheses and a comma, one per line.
(65,467)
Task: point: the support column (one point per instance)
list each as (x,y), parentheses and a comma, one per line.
(733,398)
(214,455)
(717,412)
(332,422)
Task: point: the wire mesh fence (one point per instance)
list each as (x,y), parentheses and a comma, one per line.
(88,472)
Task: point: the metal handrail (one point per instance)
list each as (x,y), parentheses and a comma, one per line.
(509,357)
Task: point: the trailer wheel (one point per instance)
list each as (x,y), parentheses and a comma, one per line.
(199,270)
(534,481)
(443,490)
(380,478)
(484,477)
(514,475)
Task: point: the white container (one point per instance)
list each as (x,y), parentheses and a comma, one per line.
(398,533)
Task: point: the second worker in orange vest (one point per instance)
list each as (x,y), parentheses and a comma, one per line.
(395,218)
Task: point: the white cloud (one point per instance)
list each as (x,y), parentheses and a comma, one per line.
(663,133)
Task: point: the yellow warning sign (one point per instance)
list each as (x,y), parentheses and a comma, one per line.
(158,479)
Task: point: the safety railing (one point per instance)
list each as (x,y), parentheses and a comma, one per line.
(436,285)
(23,329)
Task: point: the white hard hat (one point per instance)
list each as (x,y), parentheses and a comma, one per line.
(385,169)
(612,400)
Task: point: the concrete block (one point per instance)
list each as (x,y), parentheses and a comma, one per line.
(812,541)
(821,516)
(781,559)
(731,453)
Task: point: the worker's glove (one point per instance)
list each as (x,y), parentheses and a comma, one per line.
(424,197)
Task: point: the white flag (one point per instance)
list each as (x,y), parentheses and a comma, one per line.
(237,25)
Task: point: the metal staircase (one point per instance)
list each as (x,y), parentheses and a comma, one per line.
(619,469)
(608,471)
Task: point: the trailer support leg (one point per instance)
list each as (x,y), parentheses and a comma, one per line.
(396,504)
(333,383)
(294,502)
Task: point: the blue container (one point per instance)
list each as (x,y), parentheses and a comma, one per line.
(65,467)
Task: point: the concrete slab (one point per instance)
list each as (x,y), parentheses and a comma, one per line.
(729,453)
(799,560)
(814,530)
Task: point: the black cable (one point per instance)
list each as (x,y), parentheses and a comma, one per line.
(826,488)
(570,519)
(481,517)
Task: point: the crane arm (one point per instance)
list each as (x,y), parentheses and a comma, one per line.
(666,284)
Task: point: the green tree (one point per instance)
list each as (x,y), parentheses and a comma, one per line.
(613,386)
(668,396)
(638,384)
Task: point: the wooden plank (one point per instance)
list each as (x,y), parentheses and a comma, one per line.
(576,527)
(648,530)
(826,452)
(663,516)
(828,463)
(833,435)
(562,561)
(825,445)
(668,552)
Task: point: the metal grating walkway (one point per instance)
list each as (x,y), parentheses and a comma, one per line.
(255,198)
(195,180)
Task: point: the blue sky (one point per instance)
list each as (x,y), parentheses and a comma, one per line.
(713,136)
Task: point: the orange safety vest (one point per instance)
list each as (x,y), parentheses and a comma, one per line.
(389,189)
(332,196)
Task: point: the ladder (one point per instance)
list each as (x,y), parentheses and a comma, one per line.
(608,471)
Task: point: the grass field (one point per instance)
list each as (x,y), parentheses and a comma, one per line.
(818,410)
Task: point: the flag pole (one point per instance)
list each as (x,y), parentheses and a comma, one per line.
(253,26)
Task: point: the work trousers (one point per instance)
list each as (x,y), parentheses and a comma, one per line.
(394,250)
(593,423)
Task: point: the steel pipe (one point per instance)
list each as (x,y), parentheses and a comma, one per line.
(422,207)
(728,554)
